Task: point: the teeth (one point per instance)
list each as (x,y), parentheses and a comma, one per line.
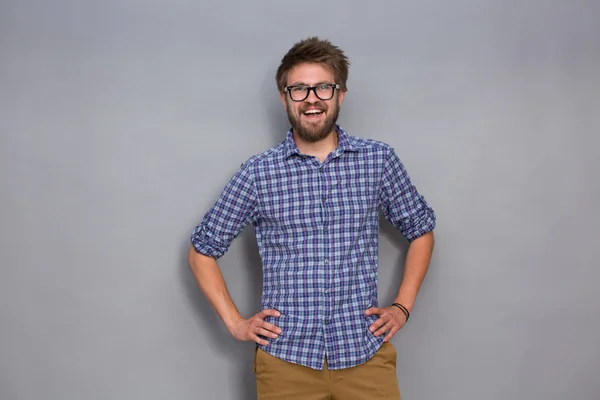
(313,112)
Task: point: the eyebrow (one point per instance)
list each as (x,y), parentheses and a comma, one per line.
(306,84)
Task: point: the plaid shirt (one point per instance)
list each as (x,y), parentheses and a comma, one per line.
(317,227)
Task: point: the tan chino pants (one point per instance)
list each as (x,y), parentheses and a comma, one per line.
(375,379)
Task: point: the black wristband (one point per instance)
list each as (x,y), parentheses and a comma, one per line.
(404,310)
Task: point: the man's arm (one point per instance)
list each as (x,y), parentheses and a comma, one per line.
(406,209)
(211,282)
(392,319)
(235,209)
(416,265)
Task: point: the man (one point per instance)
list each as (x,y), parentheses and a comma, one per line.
(314,202)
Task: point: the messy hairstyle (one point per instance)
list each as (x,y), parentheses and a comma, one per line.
(314,50)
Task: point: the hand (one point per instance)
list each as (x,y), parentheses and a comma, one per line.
(391,320)
(249,329)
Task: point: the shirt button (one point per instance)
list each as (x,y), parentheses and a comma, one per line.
(326,261)
(326,321)
(325,228)
(326,290)
(324,199)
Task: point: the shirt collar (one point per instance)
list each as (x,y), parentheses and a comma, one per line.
(345,143)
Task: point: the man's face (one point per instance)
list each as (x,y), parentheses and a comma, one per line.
(312,119)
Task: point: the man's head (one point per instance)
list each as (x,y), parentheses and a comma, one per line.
(311,80)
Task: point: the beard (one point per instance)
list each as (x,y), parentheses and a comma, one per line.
(314,131)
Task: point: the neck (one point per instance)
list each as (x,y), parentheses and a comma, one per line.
(320,149)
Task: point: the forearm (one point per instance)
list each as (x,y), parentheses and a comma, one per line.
(211,282)
(416,265)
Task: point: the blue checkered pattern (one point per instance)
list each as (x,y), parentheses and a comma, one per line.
(317,227)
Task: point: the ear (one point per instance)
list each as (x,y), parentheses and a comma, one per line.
(341,96)
(282,96)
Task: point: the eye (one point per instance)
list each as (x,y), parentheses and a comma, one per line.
(324,86)
(299,88)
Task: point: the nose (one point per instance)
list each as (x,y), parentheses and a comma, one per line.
(312,96)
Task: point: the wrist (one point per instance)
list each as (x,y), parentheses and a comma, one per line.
(403,309)
(406,300)
(232,322)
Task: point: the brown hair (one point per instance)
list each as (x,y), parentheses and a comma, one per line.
(314,50)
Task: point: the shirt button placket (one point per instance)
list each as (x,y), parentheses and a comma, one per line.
(327,299)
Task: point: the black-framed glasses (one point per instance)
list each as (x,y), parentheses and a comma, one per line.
(323,91)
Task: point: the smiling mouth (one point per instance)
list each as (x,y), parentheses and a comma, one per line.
(313,113)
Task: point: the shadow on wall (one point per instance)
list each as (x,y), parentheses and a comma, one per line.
(239,354)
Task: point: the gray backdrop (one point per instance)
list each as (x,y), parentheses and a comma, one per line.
(121,121)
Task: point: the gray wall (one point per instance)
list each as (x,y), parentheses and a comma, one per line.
(121,121)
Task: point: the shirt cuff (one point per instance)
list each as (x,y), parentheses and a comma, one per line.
(423,223)
(204,244)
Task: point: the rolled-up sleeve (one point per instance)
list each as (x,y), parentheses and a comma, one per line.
(235,208)
(402,205)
